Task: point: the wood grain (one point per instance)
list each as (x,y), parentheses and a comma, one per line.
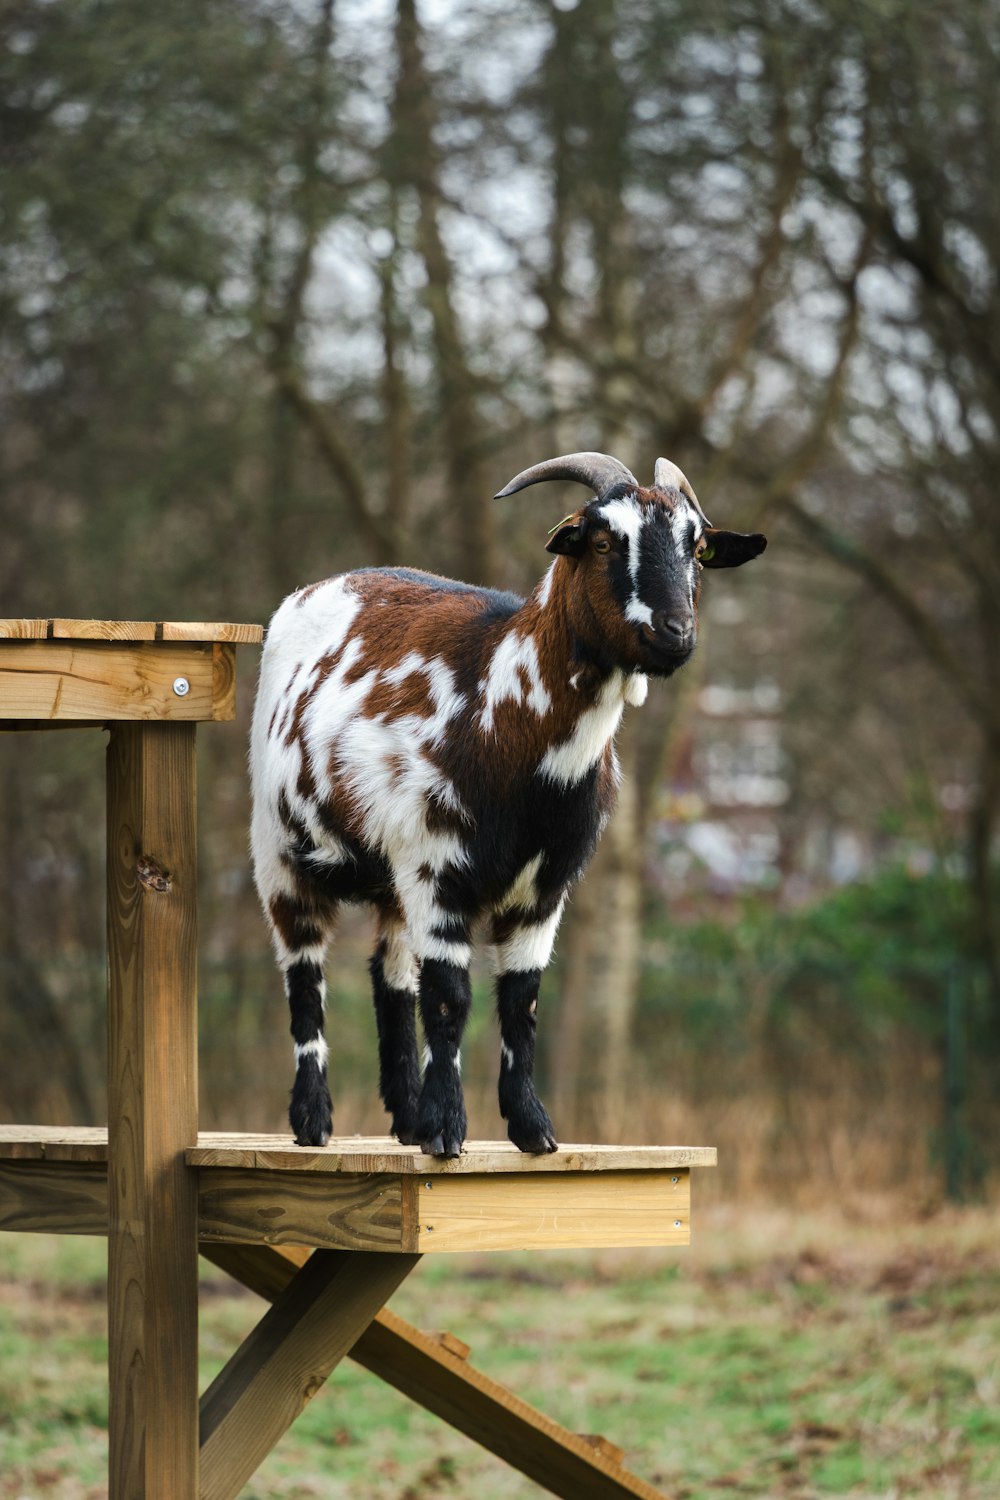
(152,1113)
(286,1360)
(552,1211)
(361,1212)
(102,630)
(53,1197)
(23,630)
(53,680)
(238,635)
(130,630)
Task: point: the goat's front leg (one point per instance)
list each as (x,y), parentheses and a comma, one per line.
(445,1001)
(524,945)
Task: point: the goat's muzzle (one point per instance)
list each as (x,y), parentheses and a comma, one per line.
(672,637)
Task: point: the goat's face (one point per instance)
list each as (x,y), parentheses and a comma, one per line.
(637,556)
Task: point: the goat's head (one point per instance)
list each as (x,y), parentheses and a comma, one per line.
(635,557)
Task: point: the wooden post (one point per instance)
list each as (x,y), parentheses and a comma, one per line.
(152,1113)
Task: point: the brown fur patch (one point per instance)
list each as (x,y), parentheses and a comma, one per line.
(293,923)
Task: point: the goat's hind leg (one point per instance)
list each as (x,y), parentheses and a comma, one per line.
(395,985)
(301,934)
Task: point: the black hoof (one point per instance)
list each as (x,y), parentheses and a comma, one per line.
(441,1148)
(441,1119)
(534,1145)
(311,1115)
(529,1126)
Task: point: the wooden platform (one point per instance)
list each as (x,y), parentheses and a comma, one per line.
(372,1194)
(325,1235)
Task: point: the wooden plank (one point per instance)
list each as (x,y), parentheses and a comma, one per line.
(287,1358)
(358,1154)
(552,1211)
(285,1208)
(152,1113)
(102,630)
(186,630)
(54,1142)
(422,1367)
(131,630)
(383,1154)
(23,630)
(53,1197)
(533,1211)
(115,681)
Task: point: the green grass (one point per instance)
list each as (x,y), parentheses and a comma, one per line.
(781,1356)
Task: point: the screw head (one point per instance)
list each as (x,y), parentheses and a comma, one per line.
(181,687)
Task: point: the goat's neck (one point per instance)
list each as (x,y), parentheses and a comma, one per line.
(575,663)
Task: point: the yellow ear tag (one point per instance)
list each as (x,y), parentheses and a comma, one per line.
(564,522)
(706,555)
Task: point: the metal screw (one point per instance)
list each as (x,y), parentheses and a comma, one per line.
(428,1185)
(430,1228)
(675,1179)
(677,1223)
(181,687)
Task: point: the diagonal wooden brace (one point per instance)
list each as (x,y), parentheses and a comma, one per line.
(422,1367)
(313,1322)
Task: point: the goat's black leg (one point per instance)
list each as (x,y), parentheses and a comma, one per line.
(445,1001)
(524,945)
(394,992)
(528,1123)
(300,936)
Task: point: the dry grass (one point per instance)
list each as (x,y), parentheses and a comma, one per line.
(851,1351)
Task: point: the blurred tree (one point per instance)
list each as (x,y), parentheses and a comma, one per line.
(286,290)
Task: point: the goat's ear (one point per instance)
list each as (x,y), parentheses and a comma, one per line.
(730,549)
(569,537)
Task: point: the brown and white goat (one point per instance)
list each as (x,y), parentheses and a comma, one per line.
(445,753)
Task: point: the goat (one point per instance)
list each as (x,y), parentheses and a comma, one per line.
(445,752)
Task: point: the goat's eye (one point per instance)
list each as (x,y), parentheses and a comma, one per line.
(602,544)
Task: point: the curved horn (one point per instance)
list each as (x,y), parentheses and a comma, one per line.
(597,470)
(666,473)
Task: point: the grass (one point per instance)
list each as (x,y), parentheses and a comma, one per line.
(798,1356)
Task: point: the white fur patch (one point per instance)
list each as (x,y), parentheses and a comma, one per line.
(523,890)
(515,655)
(507,1055)
(625,517)
(316,1048)
(529,947)
(636,689)
(637,612)
(574,757)
(398,964)
(444,949)
(544,589)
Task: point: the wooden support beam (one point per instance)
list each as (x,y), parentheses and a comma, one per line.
(312,1324)
(440,1379)
(152,1110)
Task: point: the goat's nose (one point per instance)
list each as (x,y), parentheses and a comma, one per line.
(679,628)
